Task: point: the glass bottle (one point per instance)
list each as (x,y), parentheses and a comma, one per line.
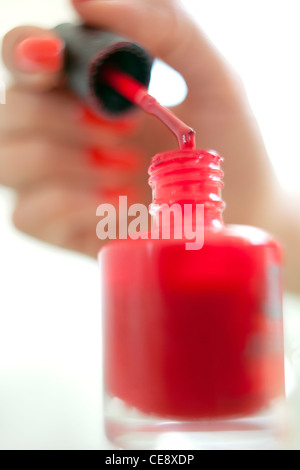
(193,330)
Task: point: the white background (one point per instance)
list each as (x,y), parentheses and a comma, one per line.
(50,336)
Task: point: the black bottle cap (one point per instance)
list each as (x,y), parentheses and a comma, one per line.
(87,50)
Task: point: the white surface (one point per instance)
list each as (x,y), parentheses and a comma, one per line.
(50,345)
(50,332)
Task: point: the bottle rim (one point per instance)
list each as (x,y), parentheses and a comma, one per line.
(188,165)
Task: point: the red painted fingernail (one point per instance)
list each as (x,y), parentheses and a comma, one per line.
(125,126)
(125,159)
(39,54)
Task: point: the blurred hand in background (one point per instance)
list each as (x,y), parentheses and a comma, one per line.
(63,161)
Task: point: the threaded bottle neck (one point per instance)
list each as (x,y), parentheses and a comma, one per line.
(188,177)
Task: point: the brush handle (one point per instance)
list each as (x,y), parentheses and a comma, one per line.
(87,50)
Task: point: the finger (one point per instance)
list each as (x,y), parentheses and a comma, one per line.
(166,31)
(61,215)
(64,215)
(57,114)
(34,56)
(30,162)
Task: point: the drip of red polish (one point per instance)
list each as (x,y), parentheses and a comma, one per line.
(135,92)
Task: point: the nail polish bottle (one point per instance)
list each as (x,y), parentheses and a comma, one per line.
(193,335)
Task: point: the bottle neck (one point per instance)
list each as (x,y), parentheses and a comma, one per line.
(188,177)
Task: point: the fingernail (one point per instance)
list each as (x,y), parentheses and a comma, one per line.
(39,54)
(126,159)
(125,126)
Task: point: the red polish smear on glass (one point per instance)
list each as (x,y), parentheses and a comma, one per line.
(135,92)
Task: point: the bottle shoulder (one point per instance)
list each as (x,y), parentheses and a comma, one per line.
(239,236)
(245,234)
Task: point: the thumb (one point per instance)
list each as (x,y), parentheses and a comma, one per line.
(34,56)
(166,30)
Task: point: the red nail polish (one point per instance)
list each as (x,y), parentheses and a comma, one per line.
(126,126)
(135,92)
(192,315)
(129,160)
(39,54)
(193,339)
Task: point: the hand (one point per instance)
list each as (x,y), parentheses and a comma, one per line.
(46,143)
